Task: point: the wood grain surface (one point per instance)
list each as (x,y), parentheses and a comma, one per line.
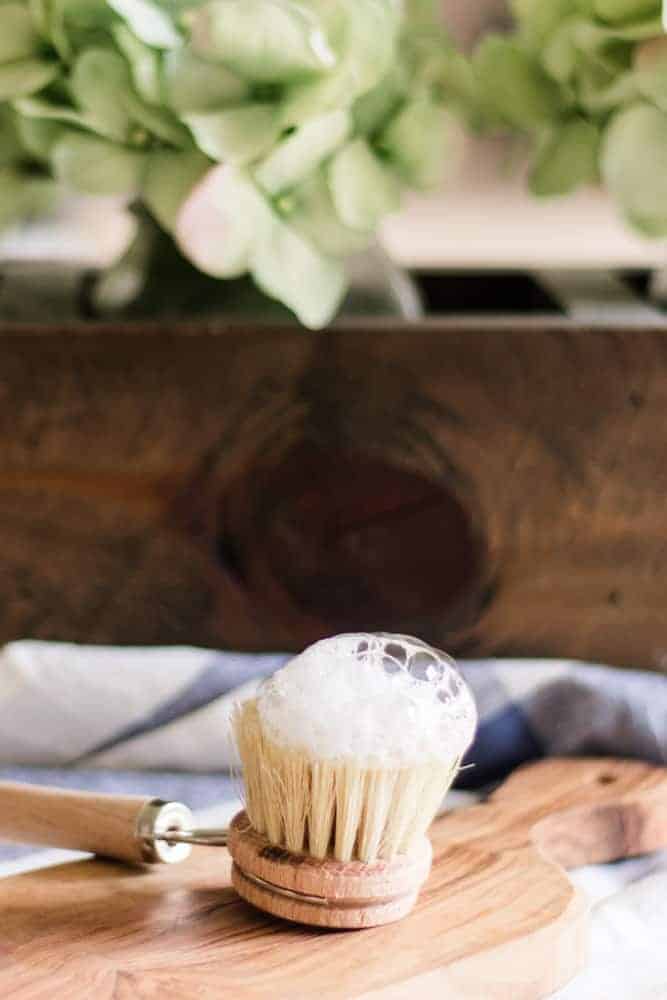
(496,920)
(496,488)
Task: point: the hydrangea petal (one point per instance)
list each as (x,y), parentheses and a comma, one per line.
(168,179)
(25,76)
(21,196)
(220,221)
(101,84)
(193,84)
(237,135)
(651,70)
(10,146)
(634,166)
(144,63)
(365,51)
(38,136)
(98,83)
(514,84)
(567,159)
(157,121)
(18,38)
(363,189)
(93,165)
(149,22)
(302,152)
(313,215)
(37,107)
(414,141)
(290,269)
(262,40)
(622,11)
(538,20)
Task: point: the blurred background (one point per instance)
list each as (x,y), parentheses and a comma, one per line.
(483,216)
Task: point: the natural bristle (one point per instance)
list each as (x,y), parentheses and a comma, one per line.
(329,809)
(334,768)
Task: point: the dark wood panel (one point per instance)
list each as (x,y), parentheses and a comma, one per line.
(497,490)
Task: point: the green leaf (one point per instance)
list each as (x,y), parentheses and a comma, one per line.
(92,165)
(414,141)
(313,214)
(302,152)
(634,166)
(149,22)
(193,84)
(221,221)
(288,268)
(144,63)
(168,179)
(362,188)
(26,76)
(514,84)
(567,159)
(18,38)
(364,51)
(238,135)
(262,40)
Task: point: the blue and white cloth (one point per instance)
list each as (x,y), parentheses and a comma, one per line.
(155,721)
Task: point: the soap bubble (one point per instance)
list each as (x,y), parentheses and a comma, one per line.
(386,700)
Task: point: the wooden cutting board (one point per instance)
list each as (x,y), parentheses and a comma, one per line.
(498,918)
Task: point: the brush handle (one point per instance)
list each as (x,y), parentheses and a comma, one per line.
(116,826)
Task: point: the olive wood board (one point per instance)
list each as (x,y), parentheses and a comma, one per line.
(498,918)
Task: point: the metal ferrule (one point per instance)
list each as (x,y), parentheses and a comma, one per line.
(156,818)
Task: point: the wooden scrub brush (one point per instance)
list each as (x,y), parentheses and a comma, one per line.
(347,752)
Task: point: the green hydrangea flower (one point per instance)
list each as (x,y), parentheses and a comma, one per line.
(587,81)
(26,188)
(267,136)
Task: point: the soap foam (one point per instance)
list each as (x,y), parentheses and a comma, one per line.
(382,700)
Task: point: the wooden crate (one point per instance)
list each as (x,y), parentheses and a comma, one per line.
(494,483)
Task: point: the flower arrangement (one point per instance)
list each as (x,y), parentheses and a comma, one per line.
(586,81)
(267,137)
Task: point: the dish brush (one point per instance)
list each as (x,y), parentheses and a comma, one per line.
(347,753)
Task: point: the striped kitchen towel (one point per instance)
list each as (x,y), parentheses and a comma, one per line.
(156,720)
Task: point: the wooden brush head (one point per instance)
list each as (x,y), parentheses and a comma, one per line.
(325,892)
